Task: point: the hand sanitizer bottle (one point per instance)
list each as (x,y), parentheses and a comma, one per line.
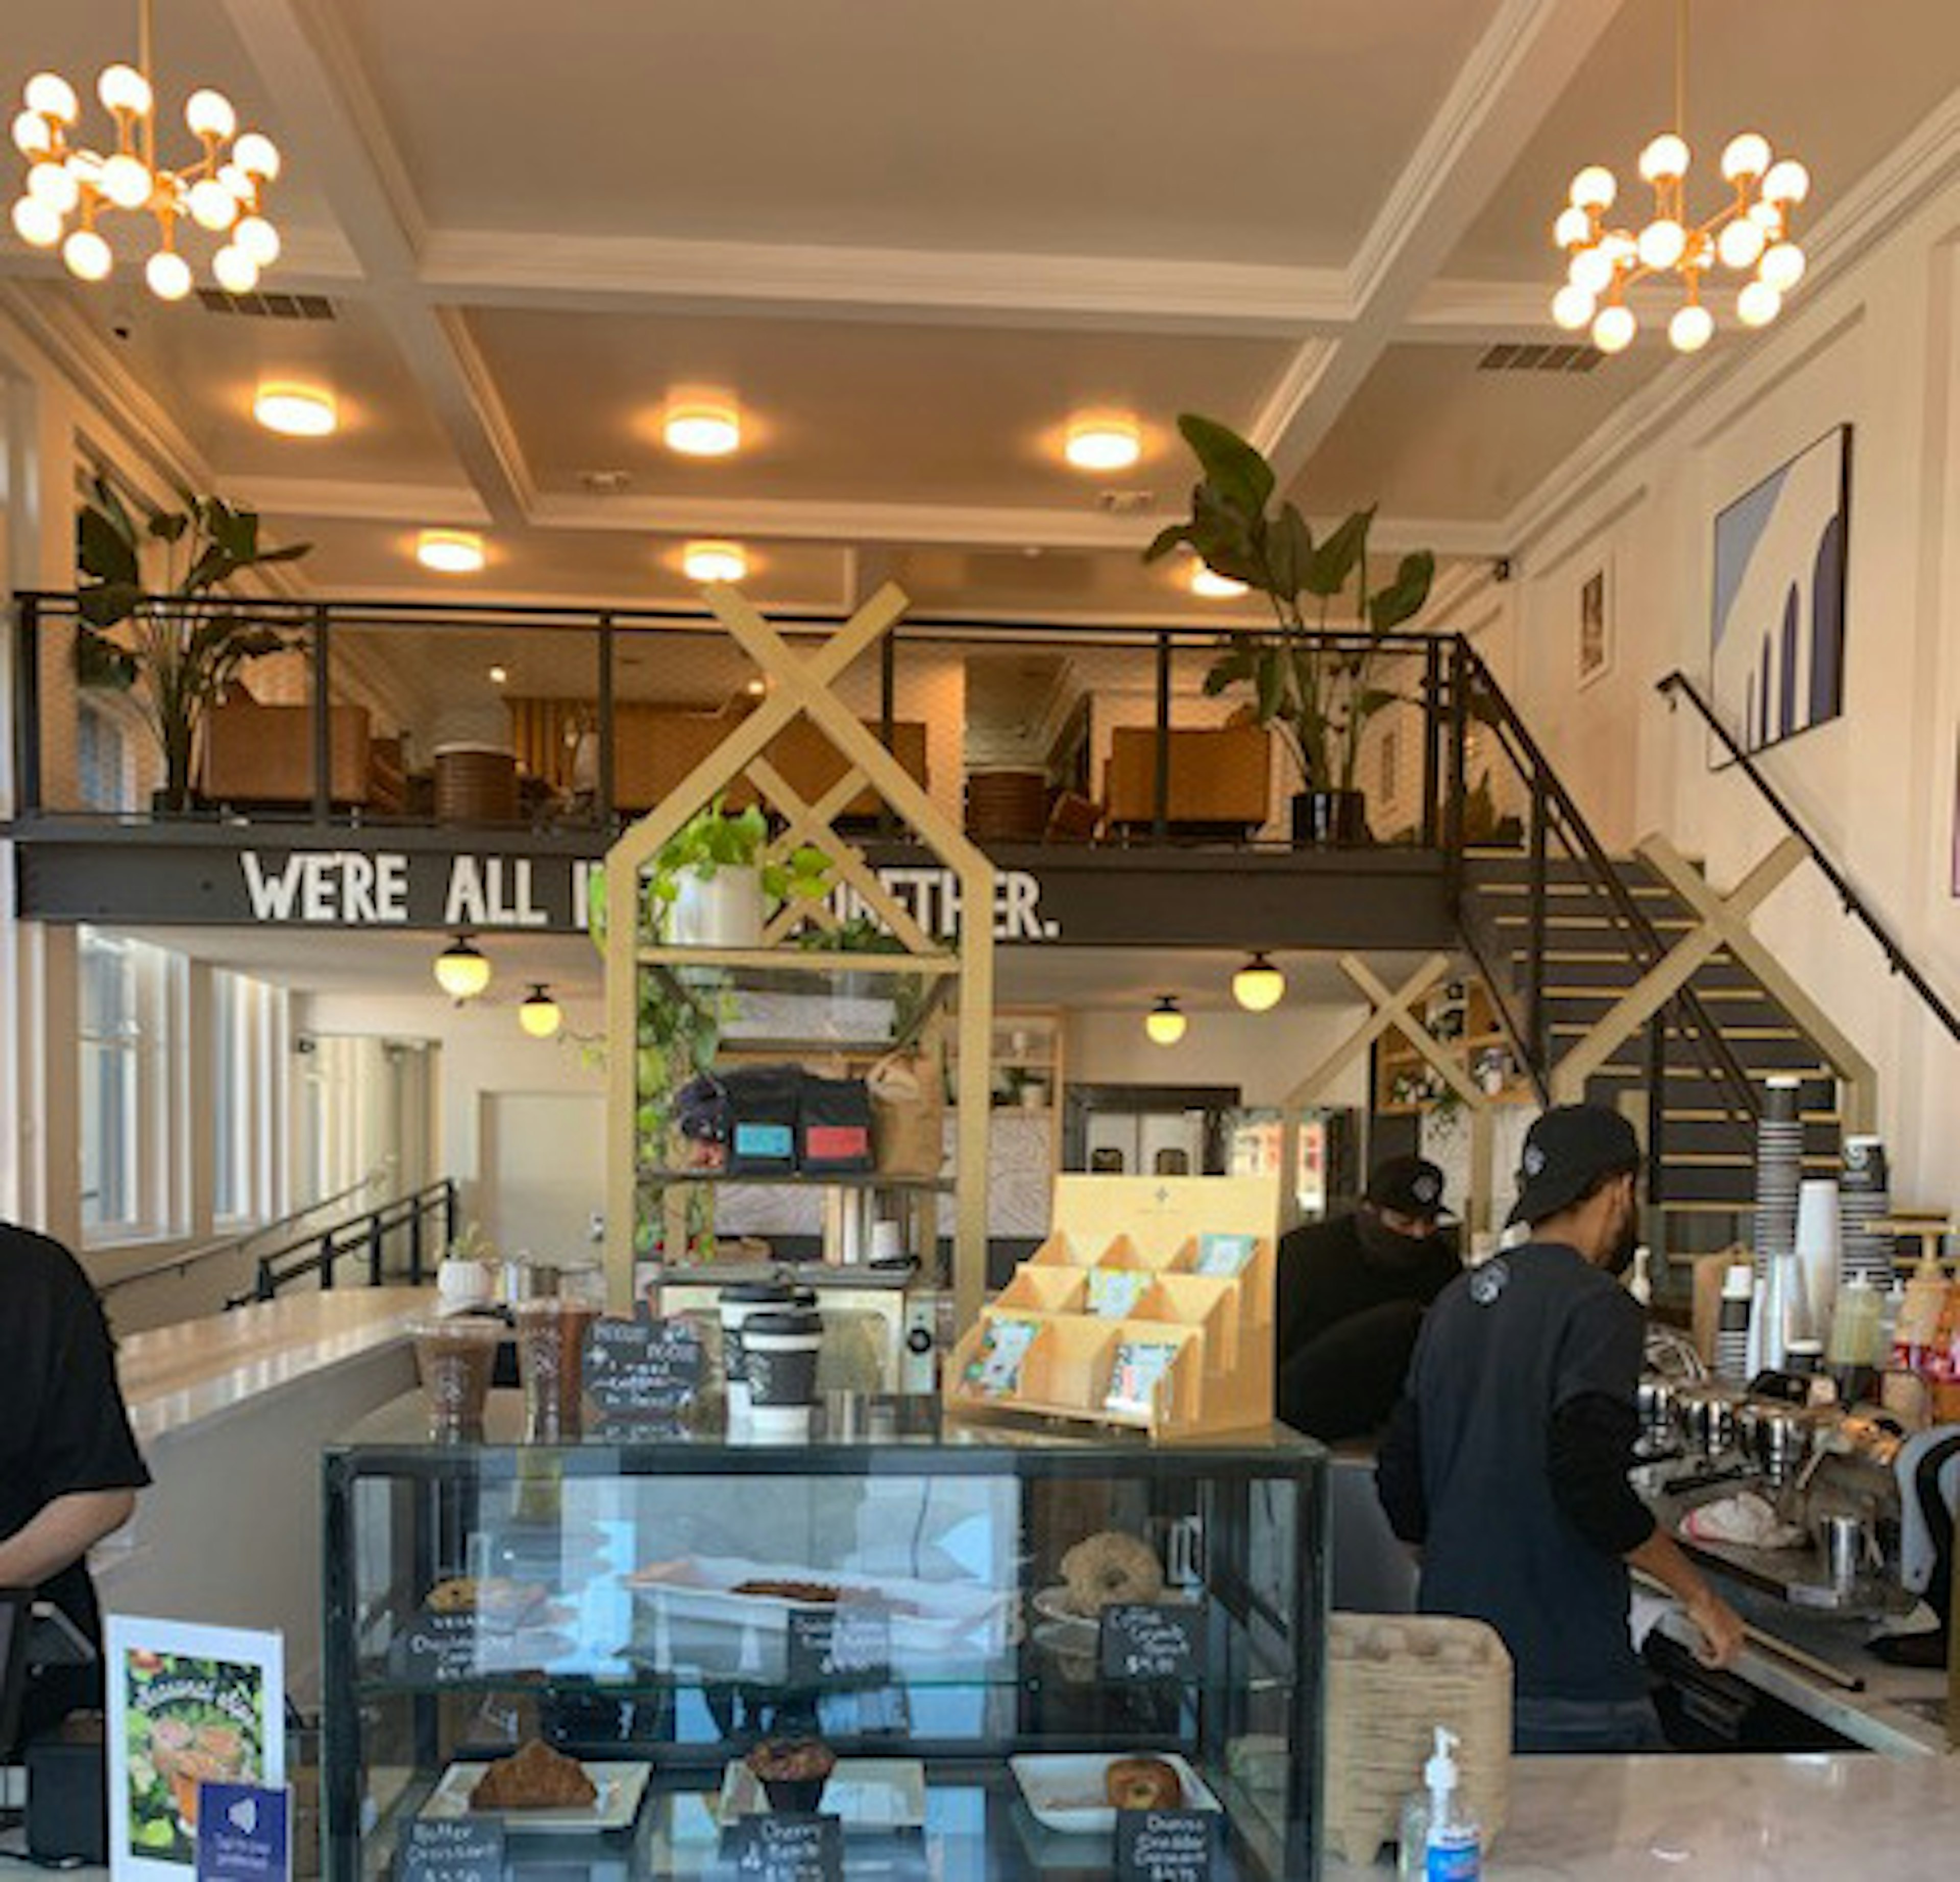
(1455,1851)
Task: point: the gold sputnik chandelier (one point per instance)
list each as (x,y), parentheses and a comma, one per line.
(72,187)
(1749,235)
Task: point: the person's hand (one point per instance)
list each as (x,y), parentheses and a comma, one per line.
(1719,1626)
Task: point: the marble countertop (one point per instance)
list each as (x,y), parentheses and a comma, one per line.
(174,1378)
(1806,1817)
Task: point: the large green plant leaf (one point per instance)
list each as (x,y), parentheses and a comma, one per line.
(1402,600)
(1289,552)
(108,603)
(1231,668)
(103,551)
(1333,563)
(99,662)
(1241,476)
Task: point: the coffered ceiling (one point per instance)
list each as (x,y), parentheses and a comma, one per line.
(913,238)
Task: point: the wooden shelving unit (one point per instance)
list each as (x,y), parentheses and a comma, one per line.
(1463,1018)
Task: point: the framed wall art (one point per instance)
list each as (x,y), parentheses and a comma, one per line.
(1777,634)
(1596,625)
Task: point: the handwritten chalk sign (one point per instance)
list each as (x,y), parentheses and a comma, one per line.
(441,1648)
(645,1368)
(1166,1846)
(785,1847)
(1150,1643)
(463,1849)
(852,1641)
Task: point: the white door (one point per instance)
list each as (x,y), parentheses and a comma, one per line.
(543,1174)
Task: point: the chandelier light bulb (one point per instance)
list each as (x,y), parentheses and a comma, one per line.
(1165,1022)
(1691,328)
(715,562)
(1210,585)
(703,431)
(51,95)
(1573,307)
(235,184)
(538,1012)
(1594,188)
(233,270)
(1662,243)
(88,255)
(1591,271)
(124,88)
(168,274)
(1781,267)
(1258,986)
(212,206)
(461,969)
(1573,229)
(36,224)
(1785,181)
(32,137)
(54,184)
(126,181)
(209,113)
(258,240)
(1758,304)
(1740,244)
(257,155)
(1613,331)
(1746,157)
(450,551)
(1665,160)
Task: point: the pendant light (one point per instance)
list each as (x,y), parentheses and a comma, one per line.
(1258,986)
(539,1013)
(461,970)
(1166,1023)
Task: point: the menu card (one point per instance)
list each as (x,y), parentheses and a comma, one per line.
(1142,1641)
(996,1368)
(784,1847)
(1140,1365)
(649,1368)
(1166,1846)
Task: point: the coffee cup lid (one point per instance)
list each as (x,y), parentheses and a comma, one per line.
(757,1293)
(786,1322)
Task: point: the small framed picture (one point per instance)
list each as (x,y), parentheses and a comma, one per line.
(1596,625)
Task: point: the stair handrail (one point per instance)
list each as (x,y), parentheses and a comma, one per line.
(330,1246)
(1545,781)
(1676,686)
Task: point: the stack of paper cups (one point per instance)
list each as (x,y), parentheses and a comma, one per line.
(1817,1244)
(1733,1337)
(1864,1198)
(1779,1169)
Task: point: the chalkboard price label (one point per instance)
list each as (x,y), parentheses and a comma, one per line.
(645,1368)
(1166,1846)
(785,1847)
(1151,1643)
(440,1648)
(462,1849)
(850,1642)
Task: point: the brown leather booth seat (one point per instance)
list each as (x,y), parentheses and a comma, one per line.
(263,754)
(1219,776)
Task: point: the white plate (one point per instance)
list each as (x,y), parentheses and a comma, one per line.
(1051,1604)
(866,1793)
(620,1787)
(1064,1790)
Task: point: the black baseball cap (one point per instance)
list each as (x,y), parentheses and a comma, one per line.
(1410,1186)
(1564,1151)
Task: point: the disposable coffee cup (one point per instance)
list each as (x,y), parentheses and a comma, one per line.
(780,1347)
(737,1303)
(454,1359)
(550,1366)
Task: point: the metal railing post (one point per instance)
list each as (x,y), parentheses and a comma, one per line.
(263,1285)
(449,1212)
(1455,758)
(1432,733)
(328,1255)
(374,1248)
(322,717)
(27,707)
(415,1239)
(1160,780)
(1540,903)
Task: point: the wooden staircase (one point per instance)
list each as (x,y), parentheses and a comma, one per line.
(1691,1078)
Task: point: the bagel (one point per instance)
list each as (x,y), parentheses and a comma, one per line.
(1110,1567)
(1143,1784)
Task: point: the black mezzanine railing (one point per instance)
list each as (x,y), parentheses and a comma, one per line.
(364,1237)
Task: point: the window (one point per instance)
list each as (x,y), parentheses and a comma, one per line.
(126,990)
(247,1036)
(101,761)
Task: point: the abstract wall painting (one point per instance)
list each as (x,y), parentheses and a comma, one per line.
(1596,627)
(1778,628)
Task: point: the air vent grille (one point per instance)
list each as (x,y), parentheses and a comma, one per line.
(267,307)
(1564,357)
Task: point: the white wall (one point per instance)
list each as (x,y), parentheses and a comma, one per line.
(1265,1055)
(1874,345)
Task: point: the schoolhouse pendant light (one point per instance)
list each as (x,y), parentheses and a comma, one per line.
(539,1013)
(1750,234)
(461,969)
(1258,986)
(72,186)
(1165,1022)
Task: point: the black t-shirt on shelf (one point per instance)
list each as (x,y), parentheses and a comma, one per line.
(63,1427)
(1502,1351)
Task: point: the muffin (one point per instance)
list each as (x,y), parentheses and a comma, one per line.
(792,1770)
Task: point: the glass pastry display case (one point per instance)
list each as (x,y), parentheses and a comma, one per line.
(905,1646)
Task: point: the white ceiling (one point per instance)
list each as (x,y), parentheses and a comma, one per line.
(913,237)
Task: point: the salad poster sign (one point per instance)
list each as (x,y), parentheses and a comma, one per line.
(188,1706)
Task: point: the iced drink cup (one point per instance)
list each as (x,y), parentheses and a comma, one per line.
(551,1364)
(454,1359)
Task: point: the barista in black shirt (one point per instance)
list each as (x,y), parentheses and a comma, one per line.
(1507,1457)
(69,1468)
(1351,1293)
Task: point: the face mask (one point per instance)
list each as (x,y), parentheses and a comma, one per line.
(1385,1244)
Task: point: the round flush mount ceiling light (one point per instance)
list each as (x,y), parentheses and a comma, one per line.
(715,562)
(1103,443)
(703,428)
(1258,986)
(1209,585)
(1165,1022)
(539,1013)
(297,411)
(462,969)
(450,551)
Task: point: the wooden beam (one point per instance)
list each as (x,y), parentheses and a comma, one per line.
(1308,1090)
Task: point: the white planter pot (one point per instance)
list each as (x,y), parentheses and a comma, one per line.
(723,910)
